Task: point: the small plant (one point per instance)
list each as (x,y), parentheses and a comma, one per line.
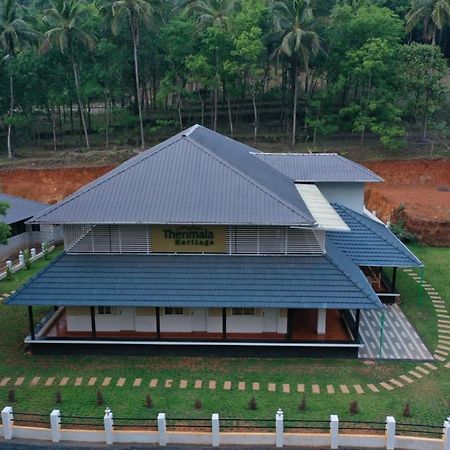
(198,404)
(27,259)
(252,404)
(11,396)
(407,410)
(45,250)
(9,273)
(302,404)
(58,397)
(148,401)
(354,408)
(100,399)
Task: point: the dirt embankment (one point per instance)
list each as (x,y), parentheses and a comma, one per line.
(419,188)
(48,185)
(418,192)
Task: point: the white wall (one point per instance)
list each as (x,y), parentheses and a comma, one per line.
(347,194)
(144,320)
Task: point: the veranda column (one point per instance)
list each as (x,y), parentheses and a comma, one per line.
(31,322)
(93,325)
(321,321)
(224,323)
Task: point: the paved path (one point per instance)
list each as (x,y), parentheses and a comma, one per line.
(400,339)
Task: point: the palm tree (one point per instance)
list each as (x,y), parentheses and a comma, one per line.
(15,32)
(213,13)
(434,14)
(65,19)
(137,13)
(294,24)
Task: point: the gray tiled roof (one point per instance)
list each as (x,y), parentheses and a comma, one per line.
(201,281)
(370,243)
(318,167)
(197,176)
(20,208)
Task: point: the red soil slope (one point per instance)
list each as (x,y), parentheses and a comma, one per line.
(421,186)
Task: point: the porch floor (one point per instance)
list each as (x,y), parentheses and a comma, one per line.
(400,339)
(304,324)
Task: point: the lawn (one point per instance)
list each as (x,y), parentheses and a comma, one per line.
(428,397)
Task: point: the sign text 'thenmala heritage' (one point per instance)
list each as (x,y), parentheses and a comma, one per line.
(188,239)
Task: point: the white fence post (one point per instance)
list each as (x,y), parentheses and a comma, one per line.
(162,429)
(7,422)
(446,435)
(279,429)
(390,433)
(109,426)
(9,264)
(55,424)
(21,258)
(215,429)
(33,252)
(334,431)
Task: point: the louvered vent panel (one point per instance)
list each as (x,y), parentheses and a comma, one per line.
(302,241)
(78,238)
(115,238)
(101,239)
(272,240)
(134,239)
(244,239)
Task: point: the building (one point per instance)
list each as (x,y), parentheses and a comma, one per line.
(202,242)
(24,235)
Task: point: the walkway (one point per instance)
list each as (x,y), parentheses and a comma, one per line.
(400,339)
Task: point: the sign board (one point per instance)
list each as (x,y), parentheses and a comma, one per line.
(189,239)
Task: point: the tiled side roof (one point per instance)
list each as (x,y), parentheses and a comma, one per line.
(200,281)
(318,167)
(198,176)
(20,208)
(370,243)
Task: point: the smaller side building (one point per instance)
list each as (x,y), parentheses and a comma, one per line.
(25,235)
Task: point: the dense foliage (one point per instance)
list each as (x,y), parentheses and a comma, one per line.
(304,67)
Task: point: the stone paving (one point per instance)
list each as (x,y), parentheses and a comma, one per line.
(424,369)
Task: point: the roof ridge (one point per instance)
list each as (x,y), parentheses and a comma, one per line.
(248,178)
(110,175)
(359,166)
(396,243)
(342,269)
(297,154)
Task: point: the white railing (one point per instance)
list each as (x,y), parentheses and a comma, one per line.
(34,256)
(163,432)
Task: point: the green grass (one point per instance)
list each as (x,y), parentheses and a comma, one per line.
(428,397)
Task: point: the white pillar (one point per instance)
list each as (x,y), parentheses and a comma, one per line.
(334,431)
(446,434)
(55,425)
(9,264)
(279,429)
(21,258)
(321,321)
(7,422)
(33,252)
(215,428)
(390,433)
(162,429)
(109,426)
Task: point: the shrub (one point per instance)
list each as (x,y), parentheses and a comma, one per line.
(148,401)
(354,408)
(58,397)
(27,259)
(11,396)
(45,250)
(252,404)
(198,404)
(9,273)
(100,399)
(302,404)
(407,410)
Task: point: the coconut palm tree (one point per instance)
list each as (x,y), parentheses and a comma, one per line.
(213,13)
(434,14)
(294,25)
(136,13)
(66,19)
(15,32)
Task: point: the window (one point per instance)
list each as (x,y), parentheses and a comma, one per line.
(35,227)
(105,310)
(243,312)
(173,311)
